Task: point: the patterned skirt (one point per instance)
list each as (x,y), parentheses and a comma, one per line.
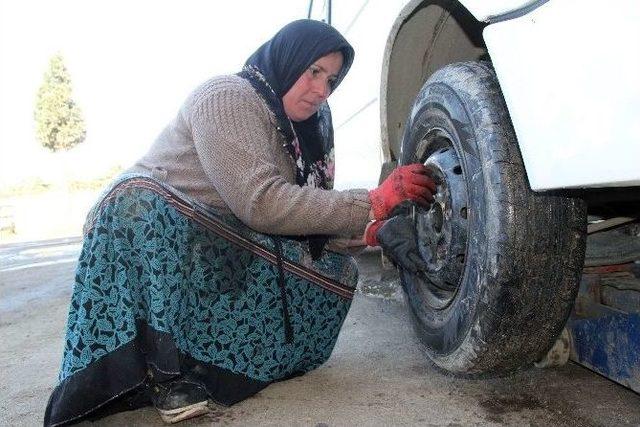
(165,285)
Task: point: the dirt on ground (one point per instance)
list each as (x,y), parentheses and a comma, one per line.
(377,375)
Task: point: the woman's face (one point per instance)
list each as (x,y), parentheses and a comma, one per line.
(312,88)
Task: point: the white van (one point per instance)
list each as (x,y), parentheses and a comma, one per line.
(528,112)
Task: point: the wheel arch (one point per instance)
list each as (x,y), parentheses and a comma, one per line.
(425,36)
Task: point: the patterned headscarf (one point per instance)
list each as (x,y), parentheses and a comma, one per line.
(272,70)
(275,67)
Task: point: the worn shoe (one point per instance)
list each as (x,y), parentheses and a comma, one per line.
(178,400)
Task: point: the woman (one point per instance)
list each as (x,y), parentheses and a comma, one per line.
(207,270)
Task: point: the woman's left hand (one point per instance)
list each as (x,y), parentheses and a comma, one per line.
(397,238)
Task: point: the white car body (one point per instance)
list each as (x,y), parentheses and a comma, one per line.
(568,71)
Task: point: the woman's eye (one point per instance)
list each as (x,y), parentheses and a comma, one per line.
(314,71)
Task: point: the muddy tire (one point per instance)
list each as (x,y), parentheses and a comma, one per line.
(504,262)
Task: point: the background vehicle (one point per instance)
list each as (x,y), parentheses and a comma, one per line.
(528,114)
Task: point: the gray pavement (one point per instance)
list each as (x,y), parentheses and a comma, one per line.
(377,374)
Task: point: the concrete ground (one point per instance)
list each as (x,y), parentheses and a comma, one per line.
(377,374)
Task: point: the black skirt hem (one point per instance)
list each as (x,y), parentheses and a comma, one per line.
(117,382)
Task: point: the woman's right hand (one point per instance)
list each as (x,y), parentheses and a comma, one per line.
(410,182)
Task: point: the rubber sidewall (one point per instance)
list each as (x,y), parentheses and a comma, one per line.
(524,250)
(444,330)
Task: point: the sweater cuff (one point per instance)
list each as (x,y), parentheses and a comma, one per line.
(360,207)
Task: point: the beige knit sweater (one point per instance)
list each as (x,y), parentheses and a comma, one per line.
(223,149)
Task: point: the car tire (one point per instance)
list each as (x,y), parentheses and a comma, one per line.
(504,262)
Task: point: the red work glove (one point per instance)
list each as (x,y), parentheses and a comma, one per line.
(370,234)
(411,182)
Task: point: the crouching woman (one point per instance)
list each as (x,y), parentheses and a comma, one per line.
(210,269)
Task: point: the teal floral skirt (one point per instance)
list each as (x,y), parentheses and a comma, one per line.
(165,286)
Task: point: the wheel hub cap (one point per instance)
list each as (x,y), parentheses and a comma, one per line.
(442,230)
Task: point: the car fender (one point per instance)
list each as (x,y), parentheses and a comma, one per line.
(453,33)
(569,78)
(575,117)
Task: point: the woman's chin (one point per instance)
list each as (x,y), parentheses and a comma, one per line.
(302,117)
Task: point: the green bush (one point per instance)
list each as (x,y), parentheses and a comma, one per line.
(59,121)
(97,183)
(29,186)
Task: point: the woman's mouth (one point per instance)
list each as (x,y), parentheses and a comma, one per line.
(310,104)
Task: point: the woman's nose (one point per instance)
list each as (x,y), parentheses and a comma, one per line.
(322,88)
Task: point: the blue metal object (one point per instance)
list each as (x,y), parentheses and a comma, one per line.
(605,324)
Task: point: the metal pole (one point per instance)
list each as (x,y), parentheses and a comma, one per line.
(329,12)
(310,8)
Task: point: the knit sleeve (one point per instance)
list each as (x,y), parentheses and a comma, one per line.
(239,153)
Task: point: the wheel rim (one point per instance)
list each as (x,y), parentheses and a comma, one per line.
(442,229)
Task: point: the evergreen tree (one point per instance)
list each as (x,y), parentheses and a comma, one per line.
(59,121)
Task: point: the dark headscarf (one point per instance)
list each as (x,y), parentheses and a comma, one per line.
(284,58)
(276,66)
(273,69)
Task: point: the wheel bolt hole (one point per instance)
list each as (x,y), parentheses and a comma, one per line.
(463,213)
(457,170)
